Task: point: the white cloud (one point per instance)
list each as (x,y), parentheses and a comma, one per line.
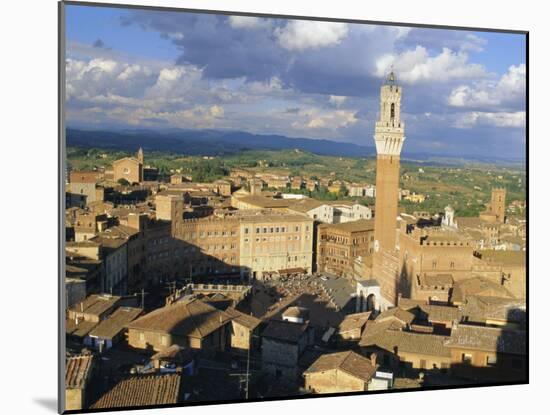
(493,119)
(337,100)
(248,22)
(314,118)
(508,89)
(300,35)
(417,65)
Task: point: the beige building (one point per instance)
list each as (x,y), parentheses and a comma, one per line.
(340,372)
(339,245)
(78,373)
(274,242)
(187,323)
(244,330)
(129,168)
(84,183)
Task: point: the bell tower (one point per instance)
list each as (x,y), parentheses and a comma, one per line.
(140,155)
(389,137)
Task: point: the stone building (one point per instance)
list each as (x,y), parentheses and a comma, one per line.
(488,353)
(209,245)
(283,343)
(351,328)
(426,255)
(114,253)
(244,330)
(340,372)
(339,245)
(78,373)
(189,323)
(112,330)
(85,183)
(129,168)
(397,346)
(246,243)
(274,242)
(87,224)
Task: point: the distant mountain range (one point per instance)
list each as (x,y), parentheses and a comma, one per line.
(208,142)
(218,143)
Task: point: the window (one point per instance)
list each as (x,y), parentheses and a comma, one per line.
(246,231)
(141,336)
(491,360)
(466,358)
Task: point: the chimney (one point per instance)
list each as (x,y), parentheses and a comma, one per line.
(373,359)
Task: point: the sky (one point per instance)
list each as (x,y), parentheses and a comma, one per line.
(463,91)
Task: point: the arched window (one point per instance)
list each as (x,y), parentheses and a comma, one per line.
(392,111)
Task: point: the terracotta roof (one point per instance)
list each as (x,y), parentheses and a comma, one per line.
(354,321)
(489,339)
(77,371)
(360,225)
(481,308)
(305,205)
(349,362)
(398,313)
(409,303)
(411,342)
(82,329)
(243,319)
(284,331)
(478,286)
(96,304)
(265,202)
(141,391)
(374,328)
(190,317)
(441,313)
(115,323)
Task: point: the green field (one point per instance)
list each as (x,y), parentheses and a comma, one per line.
(467,188)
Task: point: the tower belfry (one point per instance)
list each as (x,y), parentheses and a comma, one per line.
(389,137)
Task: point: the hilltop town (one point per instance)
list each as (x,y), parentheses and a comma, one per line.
(259,284)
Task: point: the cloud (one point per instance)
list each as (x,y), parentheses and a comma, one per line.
(337,100)
(299,35)
(509,89)
(416,65)
(248,22)
(494,119)
(314,118)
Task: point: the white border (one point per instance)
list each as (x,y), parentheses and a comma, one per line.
(29,208)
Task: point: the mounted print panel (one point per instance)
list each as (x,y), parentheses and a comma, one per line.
(269,207)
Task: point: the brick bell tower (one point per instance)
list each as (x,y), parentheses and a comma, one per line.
(389,137)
